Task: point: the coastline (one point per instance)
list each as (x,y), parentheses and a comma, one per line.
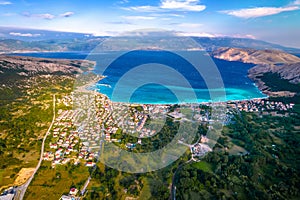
(89,88)
(91,84)
(177,103)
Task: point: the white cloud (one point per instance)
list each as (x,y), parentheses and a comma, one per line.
(250,36)
(297,2)
(243,36)
(4,3)
(45,16)
(211,35)
(42,16)
(170,5)
(139,17)
(142,8)
(166,15)
(123,1)
(182,5)
(190,25)
(190,34)
(259,11)
(67,14)
(24,34)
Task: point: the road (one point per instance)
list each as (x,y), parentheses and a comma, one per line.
(21,190)
(173,187)
(83,190)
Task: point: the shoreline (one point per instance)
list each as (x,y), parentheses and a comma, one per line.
(87,88)
(179,103)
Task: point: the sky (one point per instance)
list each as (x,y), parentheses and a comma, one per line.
(274,21)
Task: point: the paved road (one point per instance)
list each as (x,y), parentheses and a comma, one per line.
(173,187)
(22,189)
(83,190)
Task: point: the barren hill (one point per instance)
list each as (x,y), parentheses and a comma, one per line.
(255,56)
(25,66)
(272,69)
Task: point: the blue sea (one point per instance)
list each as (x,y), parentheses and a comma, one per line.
(162,77)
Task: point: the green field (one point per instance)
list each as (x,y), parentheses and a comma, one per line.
(203,166)
(51,183)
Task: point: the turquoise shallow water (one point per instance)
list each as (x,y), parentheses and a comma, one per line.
(159,86)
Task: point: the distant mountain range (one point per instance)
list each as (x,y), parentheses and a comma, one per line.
(27,34)
(213,43)
(53,45)
(24,40)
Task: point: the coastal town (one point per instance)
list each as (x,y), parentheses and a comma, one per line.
(90,119)
(77,132)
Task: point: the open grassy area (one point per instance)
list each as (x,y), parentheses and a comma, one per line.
(51,183)
(146,192)
(203,166)
(25,115)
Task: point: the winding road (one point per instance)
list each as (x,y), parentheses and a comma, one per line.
(173,187)
(21,190)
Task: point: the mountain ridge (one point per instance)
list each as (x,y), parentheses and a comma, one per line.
(249,55)
(88,44)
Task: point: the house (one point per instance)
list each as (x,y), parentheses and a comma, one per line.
(81,155)
(107,137)
(67,151)
(57,161)
(91,157)
(65,161)
(115,140)
(53,146)
(139,141)
(90,164)
(73,191)
(77,162)
(130,145)
(65,197)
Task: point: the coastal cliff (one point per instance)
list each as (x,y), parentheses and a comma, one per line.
(278,67)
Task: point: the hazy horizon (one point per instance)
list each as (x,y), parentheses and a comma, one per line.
(271,21)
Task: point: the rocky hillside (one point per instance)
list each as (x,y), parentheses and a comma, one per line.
(290,72)
(276,81)
(255,56)
(26,66)
(276,74)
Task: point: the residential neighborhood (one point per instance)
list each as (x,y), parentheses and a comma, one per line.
(76,134)
(264,106)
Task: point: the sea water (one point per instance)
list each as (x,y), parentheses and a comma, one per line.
(233,76)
